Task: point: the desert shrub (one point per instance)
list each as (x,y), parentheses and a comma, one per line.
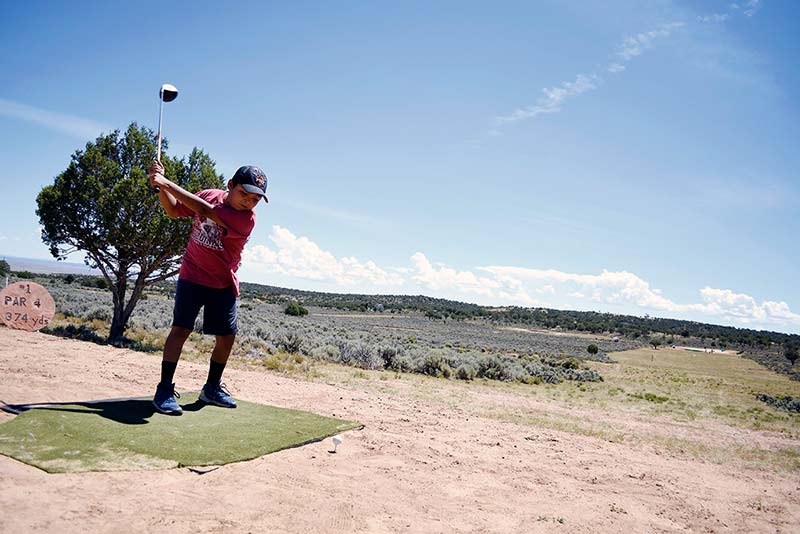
(435,364)
(582,375)
(97,313)
(786,403)
(402,363)
(466,372)
(326,352)
(285,363)
(388,355)
(290,342)
(293,308)
(570,363)
(94,281)
(359,354)
(395,359)
(649,397)
(592,349)
(547,373)
(263,333)
(493,368)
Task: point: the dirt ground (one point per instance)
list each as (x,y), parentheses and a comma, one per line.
(426,461)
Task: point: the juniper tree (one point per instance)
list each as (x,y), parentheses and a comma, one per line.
(103,205)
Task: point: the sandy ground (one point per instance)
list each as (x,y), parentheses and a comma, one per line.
(709,350)
(425,462)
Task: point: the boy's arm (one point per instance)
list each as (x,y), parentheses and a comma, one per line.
(169,194)
(169,203)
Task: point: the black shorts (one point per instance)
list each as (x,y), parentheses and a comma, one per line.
(219,308)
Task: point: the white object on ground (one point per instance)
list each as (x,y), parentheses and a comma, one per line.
(337,440)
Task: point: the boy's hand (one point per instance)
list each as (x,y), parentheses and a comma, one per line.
(156,174)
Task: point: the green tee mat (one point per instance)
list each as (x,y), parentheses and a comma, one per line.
(128,434)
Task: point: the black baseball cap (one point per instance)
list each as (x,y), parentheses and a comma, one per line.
(252,180)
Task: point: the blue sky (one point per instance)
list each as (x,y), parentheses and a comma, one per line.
(630,157)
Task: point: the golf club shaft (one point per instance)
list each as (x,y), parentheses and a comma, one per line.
(160,116)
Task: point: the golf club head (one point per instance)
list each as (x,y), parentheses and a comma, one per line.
(168,92)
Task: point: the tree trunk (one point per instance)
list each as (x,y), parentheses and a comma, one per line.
(119,321)
(117,330)
(122,309)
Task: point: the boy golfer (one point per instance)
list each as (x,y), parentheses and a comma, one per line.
(223,221)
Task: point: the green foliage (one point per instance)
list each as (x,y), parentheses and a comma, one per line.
(25,275)
(649,397)
(786,403)
(291,342)
(435,364)
(592,349)
(5,268)
(466,372)
(95,281)
(102,204)
(791,352)
(493,368)
(293,308)
(570,363)
(655,343)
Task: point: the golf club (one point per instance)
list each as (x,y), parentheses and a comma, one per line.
(168,93)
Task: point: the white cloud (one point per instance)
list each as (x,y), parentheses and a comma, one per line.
(751,6)
(302,258)
(622,287)
(713,18)
(548,289)
(747,8)
(744,308)
(620,291)
(553,98)
(60,122)
(636,45)
(439,277)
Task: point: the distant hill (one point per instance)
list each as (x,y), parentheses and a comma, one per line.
(47,266)
(667,330)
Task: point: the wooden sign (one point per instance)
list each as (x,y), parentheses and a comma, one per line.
(26,306)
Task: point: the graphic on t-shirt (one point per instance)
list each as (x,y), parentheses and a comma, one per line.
(208,234)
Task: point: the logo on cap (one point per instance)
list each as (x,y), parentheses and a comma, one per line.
(259,180)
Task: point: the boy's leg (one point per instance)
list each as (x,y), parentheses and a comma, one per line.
(172,352)
(219,357)
(188,301)
(219,319)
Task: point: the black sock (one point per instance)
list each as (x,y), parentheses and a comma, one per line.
(167,371)
(215,372)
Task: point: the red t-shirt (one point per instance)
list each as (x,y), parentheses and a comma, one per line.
(214,253)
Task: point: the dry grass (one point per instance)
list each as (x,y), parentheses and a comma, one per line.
(691,405)
(688,405)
